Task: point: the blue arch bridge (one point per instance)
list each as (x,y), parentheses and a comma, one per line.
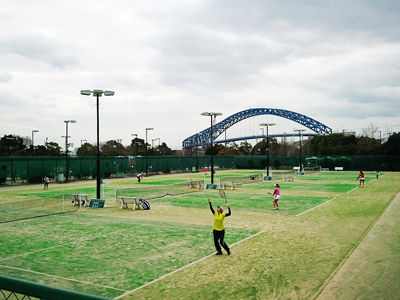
(204,137)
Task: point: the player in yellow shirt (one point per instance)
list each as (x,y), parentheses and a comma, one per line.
(219,231)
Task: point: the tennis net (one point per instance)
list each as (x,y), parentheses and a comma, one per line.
(233,181)
(37,207)
(159,191)
(310,170)
(283,175)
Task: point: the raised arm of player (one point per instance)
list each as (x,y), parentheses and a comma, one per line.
(229,212)
(212,210)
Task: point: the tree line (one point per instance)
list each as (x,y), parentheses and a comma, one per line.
(14,145)
(336,144)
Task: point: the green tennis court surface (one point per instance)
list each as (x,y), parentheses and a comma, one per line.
(110,251)
(116,254)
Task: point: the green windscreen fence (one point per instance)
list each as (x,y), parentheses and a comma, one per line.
(13,288)
(22,170)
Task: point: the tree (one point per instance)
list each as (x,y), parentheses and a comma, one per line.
(113,148)
(261,147)
(392,146)
(163,149)
(370,131)
(53,149)
(12,145)
(87,150)
(227,151)
(40,150)
(215,149)
(245,148)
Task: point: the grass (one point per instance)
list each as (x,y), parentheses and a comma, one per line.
(109,251)
(102,251)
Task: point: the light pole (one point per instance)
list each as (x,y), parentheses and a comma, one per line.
(66,146)
(97,94)
(33,144)
(158,142)
(86,145)
(197,149)
(147,129)
(300,139)
(211,114)
(135,145)
(119,142)
(267,125)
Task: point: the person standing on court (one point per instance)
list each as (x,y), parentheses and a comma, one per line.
(362,178)
(219,230)
(46,182)
(277,196)
(139,177)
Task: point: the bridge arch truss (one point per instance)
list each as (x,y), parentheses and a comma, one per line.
(204,137)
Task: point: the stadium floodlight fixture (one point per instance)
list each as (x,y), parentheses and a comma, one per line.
(211,114)
(97,94)
(267,125)
(86,92)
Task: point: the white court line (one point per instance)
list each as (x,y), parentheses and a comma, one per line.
(62,245)
(314,207)
(352,190)
(180,269)
(64,278)
(324,202)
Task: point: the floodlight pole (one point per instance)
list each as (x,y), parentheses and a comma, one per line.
(300,139)
(97,94)
(66,147)
(267,125)
(197,149)
(33,144)
(147,149)
(86,146)
(135,145)
(211,114)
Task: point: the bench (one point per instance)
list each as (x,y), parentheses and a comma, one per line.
(195,184)
(296,168)
(338,168)
(254,176)
(84,198)
(129,200)
(225,185)
(288,178)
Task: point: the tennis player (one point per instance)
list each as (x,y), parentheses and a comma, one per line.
(219,230)
(362,178)
(46,182)
(277,196)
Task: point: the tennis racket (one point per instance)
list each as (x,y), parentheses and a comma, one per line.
(223,195)
(269,194)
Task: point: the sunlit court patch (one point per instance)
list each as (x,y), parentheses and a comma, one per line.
(116,254)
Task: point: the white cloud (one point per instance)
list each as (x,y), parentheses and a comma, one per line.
(336,62)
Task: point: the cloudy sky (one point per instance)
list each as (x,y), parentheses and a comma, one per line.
(167,61)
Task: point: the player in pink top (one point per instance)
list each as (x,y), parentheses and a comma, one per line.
(362,178)
(277,196)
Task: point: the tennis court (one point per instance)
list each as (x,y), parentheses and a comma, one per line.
(285,254)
